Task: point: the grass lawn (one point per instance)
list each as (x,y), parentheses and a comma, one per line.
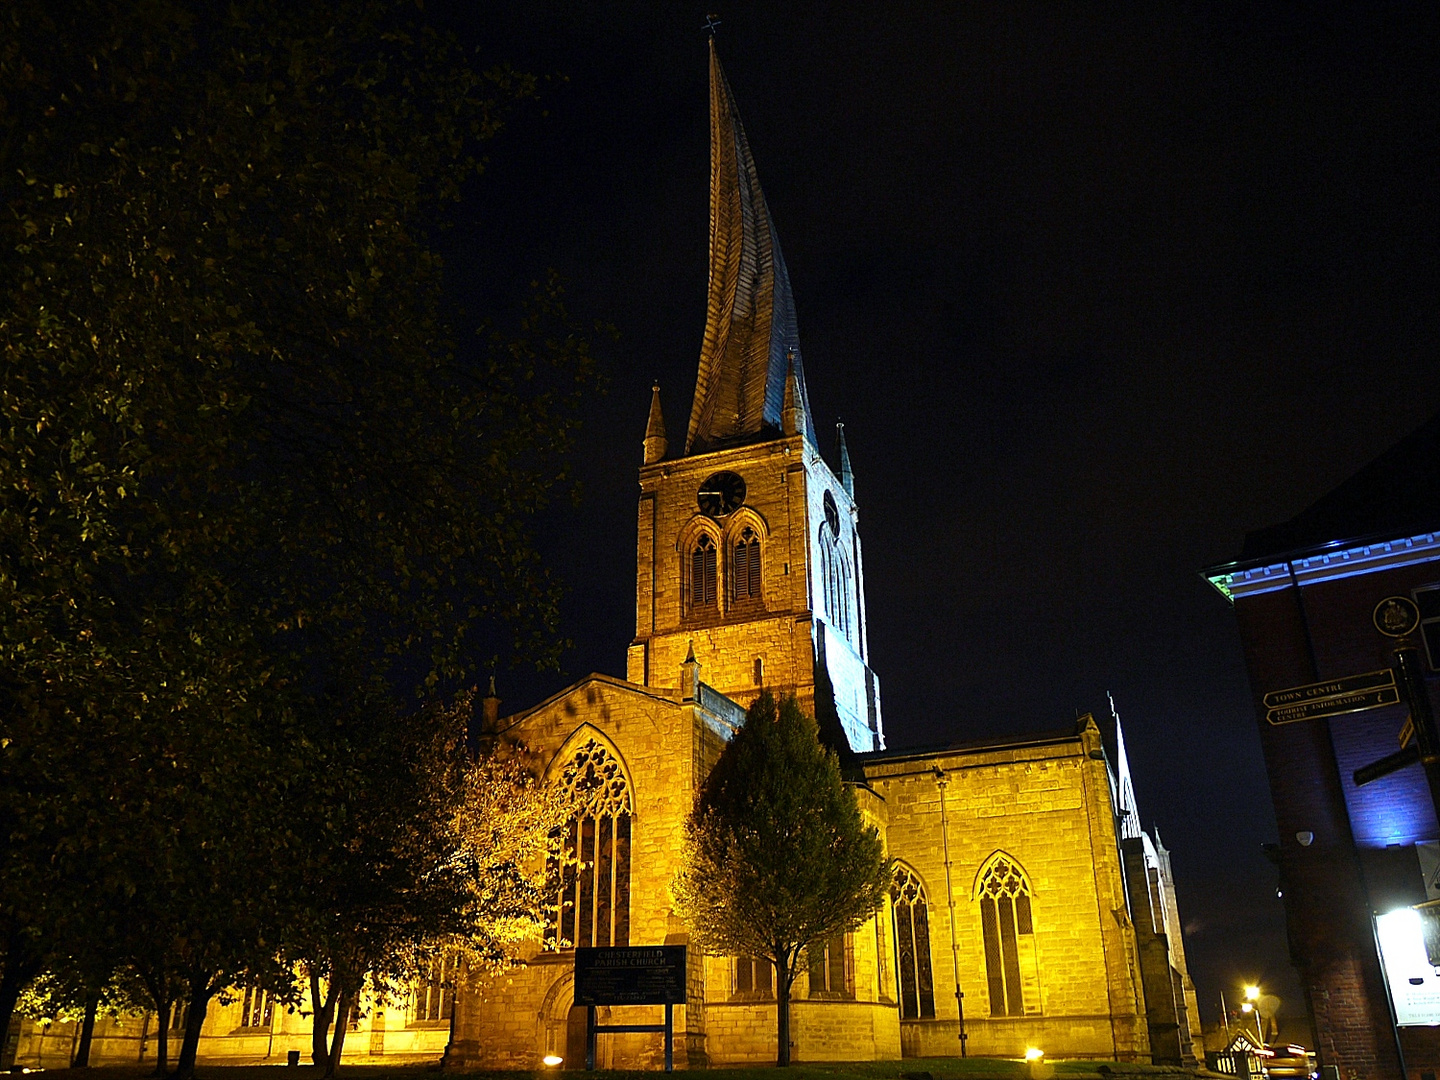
(905,1069)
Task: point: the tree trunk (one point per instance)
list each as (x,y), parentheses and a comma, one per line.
(200,993)
(782,1013)
(162,1041)
(343,1008)
(321,1012)
(159,989)
(87,1032)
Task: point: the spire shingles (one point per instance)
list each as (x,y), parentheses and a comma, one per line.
(750,318)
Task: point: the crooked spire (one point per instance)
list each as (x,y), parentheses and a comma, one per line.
(750,317)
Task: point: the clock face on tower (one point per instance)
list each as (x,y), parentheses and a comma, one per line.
(721,494)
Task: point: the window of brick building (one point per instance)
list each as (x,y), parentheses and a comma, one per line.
(832,968)
(912,945)
(594,908)
(1007,924)
(754,979)
(1428,601)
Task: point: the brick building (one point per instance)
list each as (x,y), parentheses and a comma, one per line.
(1352,859)
(1023,878)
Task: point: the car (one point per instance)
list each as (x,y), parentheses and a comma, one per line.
(1287,1059)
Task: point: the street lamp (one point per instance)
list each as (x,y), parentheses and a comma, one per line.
(1252,997)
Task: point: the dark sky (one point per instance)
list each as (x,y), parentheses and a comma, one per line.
(1096,289)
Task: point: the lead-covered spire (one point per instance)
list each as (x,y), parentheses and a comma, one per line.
(750,318)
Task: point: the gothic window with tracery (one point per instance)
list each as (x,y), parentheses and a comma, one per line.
(435,993)
(702,573)
(912,945)
(1007,924)
(746,581)
(594,907)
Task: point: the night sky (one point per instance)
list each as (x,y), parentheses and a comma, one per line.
(1095,292)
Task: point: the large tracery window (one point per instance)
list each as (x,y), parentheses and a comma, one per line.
(1009,931)
(594,907)
(702,573)
(912,945)
(746,579)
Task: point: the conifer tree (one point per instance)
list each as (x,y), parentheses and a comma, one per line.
(777,855)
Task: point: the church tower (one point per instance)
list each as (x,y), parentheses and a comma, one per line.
(749,544)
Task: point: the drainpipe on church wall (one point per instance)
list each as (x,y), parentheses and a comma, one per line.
(940,781)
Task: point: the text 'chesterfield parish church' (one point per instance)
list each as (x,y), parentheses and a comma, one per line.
(1022,879)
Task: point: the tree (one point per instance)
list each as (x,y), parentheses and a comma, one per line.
(251,482)
(431,853)
(777,856)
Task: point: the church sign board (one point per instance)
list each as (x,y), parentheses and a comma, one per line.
(1334,697)
(646,975)
(641,975)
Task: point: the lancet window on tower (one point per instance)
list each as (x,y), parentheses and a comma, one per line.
(912,945)
(835,584)
(594,907)
(702,573)
(746,566)
(1007,923)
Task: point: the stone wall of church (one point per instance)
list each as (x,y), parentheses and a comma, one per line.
(515,1019)
(1044,808)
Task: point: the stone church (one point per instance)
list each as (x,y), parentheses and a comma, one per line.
(1028,908)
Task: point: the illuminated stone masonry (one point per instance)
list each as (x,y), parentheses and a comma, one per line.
(1022,878)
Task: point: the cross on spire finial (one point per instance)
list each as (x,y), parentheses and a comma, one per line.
(711,22)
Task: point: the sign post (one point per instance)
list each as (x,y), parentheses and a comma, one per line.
(643,975)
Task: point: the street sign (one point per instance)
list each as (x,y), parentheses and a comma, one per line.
(1335,697)
(646,975)
(1317,708)
(1333,688)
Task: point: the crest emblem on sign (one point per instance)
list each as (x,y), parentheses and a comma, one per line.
(1396,616)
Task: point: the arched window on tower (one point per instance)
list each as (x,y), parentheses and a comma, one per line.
(702,572)
(1008,926)
(827,596)
(745,578)
(594,907)
(912,945)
